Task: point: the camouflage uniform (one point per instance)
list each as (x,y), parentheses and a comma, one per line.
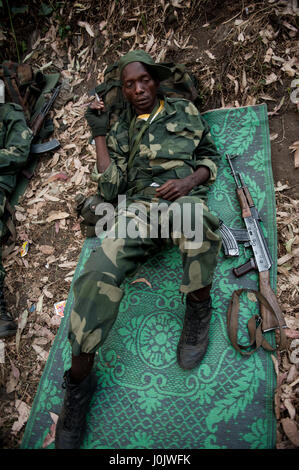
(175,144)
(15,142)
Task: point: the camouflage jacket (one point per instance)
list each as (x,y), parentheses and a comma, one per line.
(175,144)
(15,142)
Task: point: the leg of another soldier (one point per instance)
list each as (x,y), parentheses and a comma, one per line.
(7,325)
(97,297)
(199,263)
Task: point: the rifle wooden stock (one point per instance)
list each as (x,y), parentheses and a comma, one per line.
(270,322)
(37,124)
(243,203)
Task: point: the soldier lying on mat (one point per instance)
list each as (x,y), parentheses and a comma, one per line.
(160,150)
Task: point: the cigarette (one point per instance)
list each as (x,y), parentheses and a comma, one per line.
(97,97)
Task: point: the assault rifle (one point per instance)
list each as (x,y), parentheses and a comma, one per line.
(37,123)
(252,236)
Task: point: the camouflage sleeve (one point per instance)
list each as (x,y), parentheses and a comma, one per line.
(17,141)
(113,180)
(206,152)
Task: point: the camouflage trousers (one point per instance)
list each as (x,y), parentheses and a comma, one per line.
(2,208)
(97,290)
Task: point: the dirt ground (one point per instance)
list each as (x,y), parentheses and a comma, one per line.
(228,48)
(287,128)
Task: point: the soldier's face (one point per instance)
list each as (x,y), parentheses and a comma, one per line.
(139,88)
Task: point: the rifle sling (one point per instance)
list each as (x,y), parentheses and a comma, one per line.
(254,325)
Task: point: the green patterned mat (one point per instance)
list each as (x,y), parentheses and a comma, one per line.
(143,399)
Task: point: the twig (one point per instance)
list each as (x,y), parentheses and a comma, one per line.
(13,30)
(227,21)
(283,131)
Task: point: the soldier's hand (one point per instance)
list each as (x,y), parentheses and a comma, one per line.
(97,105)
(173,189)
(97,118)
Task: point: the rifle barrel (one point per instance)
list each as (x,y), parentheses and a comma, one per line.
(241,179)
(51,101)
(233,170)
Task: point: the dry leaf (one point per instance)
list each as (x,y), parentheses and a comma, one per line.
(289,406)
(42,354)
(78,177)
(292,374)
(271,78)
(275,363)
(241,37)
(70,146)
(209,54)
(277,107)
(287,67)
(291,430)
(267,97)
(55,159)
(249,55)
(130,34)
(24,410)
(48,197)
(13,378)
(244,80)
(41,341)
(20,217)
(292,333)
(294,383)
(150,43)
(68,264)
(87,26)
(250,101)
(289,26)
(235,82)
(287,257)
(47,293)
(282,187)
(39,305)
(58,176)
(295,148)
(45,332)
(57,216)
(22,320)
(268,55)
(47,249)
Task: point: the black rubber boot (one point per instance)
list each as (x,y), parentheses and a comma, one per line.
(194,338)
(70,427)
(7,325)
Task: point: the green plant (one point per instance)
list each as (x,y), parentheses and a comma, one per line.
(45,10)
(63,30)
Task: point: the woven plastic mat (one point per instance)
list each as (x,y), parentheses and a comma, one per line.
(143,399)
